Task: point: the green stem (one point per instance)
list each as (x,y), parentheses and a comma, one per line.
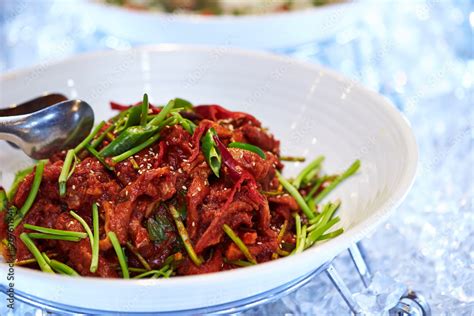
(96,142)
(53,237)
(349,172)
(331,234)
(138,255)
(85,226)
(183,233)
(243,248)
(136,149)
(145,105)
(319,231)
(120,255)
(59,266)
(315,188)
(292,158)
(299,199)
(163,113)
(44,266)
(65,172)
(161,272)
(315,164)
(101,159)
(89,138)
(240,263)
(57,232)
(33,193)
(95,242)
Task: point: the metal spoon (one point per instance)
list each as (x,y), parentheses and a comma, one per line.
(46,130)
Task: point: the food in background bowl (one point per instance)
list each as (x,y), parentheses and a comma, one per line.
(164,191)
(218,7)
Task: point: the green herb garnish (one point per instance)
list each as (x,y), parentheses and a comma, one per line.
(243,248)
(120,254)
(44,266)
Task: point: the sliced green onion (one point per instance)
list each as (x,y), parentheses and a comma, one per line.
(243,248)
(299,199)
(240,263)
(163,113)
(19,177)
(44,266)
(53,237)
(213,157)
(330,212)
(101,159)
(95,243)
(255,149)
(331,235)
(139,256)
(318,232)
(32,195)
(315,164)
(96,142)
(59,266)
(65,171)
(302,242)
(161,272)
(349,172)
(57,232)
(145,106)
(315,188)
(298,231)
(292,158)
(85,226)
(3,200)
(89,138)
(136,149)
(183,233)
(120,254)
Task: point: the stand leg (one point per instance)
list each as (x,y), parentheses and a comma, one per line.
(360,262)
(343,289)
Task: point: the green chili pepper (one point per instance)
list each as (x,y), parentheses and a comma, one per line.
(19,177)
(134,116)
(211,154)
(3,200)
(182,103)
(248,147)
(129,138)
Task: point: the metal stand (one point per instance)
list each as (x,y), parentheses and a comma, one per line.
(410,304)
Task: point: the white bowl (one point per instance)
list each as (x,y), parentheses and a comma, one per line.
(311,109)
(267,31)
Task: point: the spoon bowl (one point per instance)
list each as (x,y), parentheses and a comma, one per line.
(42,133)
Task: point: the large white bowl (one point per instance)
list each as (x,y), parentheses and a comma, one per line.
(311,109)
(267,31)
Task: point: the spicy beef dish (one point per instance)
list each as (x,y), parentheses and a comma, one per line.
(161,191)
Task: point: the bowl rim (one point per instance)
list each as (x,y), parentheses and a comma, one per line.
(201,18)
(342,242)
